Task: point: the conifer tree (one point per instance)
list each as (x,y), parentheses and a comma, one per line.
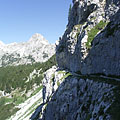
(70,9)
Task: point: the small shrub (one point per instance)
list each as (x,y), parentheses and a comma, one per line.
(65,76)
(37,90)
(52,78)
(93,32)
(69,13)
(58,83)
(78,30)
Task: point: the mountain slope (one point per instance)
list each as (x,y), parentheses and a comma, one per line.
(37,49)
(21,89)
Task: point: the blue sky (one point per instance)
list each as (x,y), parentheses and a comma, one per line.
(20,19)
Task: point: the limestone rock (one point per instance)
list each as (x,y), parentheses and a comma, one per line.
(103,57)
(37,49)
(81,99)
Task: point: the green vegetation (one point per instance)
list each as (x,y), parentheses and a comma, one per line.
(61,72)
(66,75)
(32,108)
(58,83)
(52,78)
(4,100)
(7,110)
(10,59)
(77,27)
(14,77)
(70,9)
(18,99)
(93,32)
(93,18)
(37,90)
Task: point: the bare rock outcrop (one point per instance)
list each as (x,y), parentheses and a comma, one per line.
(90,44)
(37,49)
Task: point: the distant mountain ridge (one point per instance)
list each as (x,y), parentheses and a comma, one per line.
(36,49)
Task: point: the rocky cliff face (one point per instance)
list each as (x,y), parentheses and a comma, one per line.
(83,99)
(90,44)
(69,96)
(37,49)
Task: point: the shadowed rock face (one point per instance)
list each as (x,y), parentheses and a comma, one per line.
(103,57)
(80,99)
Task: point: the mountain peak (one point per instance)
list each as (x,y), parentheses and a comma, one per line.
(38,37)
(37,49)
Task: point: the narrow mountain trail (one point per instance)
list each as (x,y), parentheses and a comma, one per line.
(94,76)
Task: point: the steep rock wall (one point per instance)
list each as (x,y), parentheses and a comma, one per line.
(77,51)
(104,56)
(70,96)
(84,99)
